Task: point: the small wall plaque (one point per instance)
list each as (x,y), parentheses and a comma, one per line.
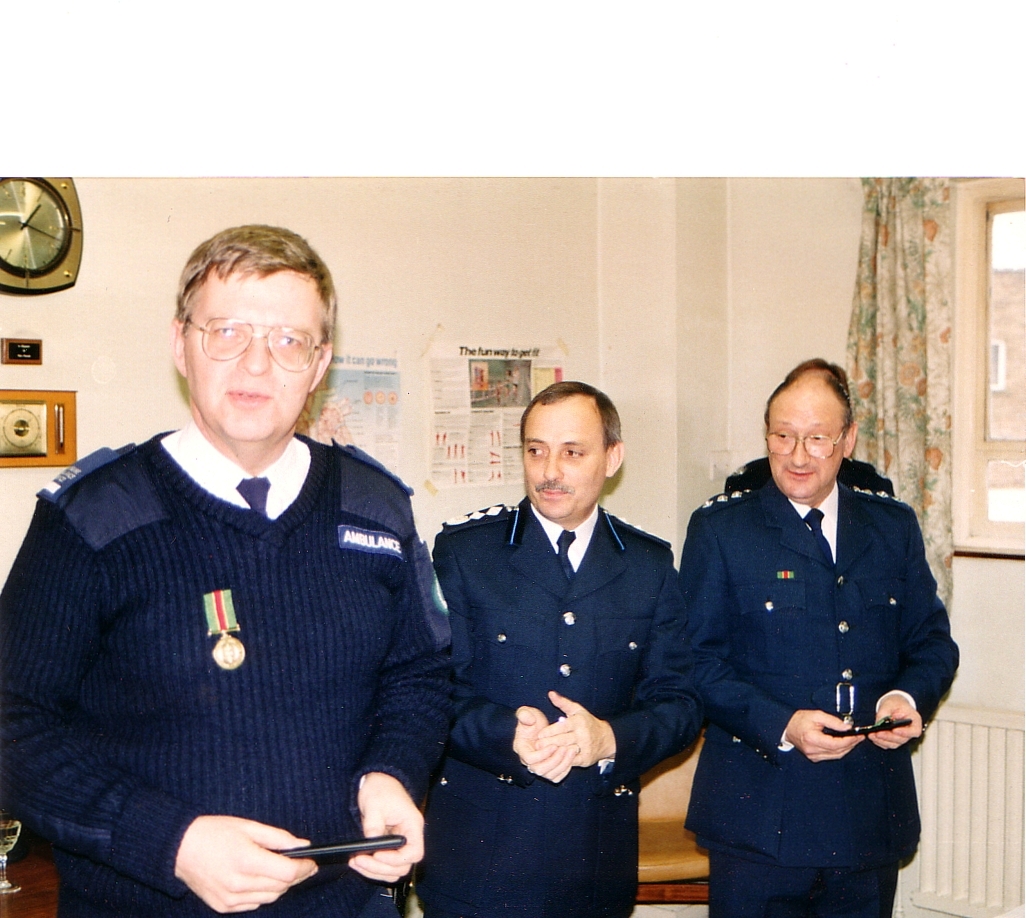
(21,350)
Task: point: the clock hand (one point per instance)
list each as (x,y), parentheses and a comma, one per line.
(25,223)
(36,229)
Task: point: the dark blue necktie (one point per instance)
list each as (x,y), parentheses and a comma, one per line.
(254,490)
(814,520)
(566,538)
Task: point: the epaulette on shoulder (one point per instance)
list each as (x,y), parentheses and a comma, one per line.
(880,496)
(360,456)
(59,488)
(726,499)
(106,496)
(372,492)
(489,514)
(616,523)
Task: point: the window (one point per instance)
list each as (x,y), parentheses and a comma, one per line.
(989,413)
(998,366)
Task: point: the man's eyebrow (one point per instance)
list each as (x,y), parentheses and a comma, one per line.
(560,443)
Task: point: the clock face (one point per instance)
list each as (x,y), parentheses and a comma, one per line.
(35,228)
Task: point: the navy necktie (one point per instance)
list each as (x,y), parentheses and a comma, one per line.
(566,538)
(254,490)
(814,520)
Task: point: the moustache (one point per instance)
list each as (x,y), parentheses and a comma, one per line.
(554,486)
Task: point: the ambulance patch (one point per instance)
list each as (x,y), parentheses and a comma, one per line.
(376,543)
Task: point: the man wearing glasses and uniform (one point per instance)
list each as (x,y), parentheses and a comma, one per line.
(223,643)
(811,613)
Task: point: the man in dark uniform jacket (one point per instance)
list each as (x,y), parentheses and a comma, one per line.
(573,678)
(810,608)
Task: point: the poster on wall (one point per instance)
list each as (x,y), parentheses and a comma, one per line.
(478,395)
(358,404)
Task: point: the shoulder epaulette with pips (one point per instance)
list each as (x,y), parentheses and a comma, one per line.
(496,511)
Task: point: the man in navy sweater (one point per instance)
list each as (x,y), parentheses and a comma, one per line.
(223,643)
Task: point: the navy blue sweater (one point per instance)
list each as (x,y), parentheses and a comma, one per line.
(118,727)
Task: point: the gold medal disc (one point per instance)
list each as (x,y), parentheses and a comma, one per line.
(229,652)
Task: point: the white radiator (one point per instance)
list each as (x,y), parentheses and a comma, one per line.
(970,777)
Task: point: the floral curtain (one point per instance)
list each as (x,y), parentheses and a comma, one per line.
(899,351)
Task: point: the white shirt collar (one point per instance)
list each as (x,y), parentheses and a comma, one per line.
(217,474)
(829,509)
(583,535)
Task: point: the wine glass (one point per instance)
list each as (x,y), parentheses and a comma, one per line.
(10,829)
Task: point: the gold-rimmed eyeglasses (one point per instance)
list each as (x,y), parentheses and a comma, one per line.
(819,446)
(226,339)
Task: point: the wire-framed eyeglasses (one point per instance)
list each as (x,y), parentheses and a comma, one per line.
(819,446)
(226,339)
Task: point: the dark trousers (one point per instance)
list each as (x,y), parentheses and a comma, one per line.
(380,905)
(739,888)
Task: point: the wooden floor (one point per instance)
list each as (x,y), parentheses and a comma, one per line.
(37,878)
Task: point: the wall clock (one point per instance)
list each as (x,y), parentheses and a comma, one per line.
(40,234)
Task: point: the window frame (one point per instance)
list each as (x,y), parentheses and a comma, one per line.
(974,200)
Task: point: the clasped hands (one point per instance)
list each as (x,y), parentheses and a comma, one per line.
(232,864)
(577,739)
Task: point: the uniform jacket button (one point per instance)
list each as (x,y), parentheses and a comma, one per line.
(840,580)
(501,638)
(633,645)
(569,618)
(847,674)
(565,669)
(843,627)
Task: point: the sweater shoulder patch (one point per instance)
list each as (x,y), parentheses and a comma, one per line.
(107,497)
(373,493)
(61,485)
(360,456)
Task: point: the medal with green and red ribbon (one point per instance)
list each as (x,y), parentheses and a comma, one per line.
(229,652)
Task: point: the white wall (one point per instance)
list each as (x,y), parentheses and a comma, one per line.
(637,317)
(703,343)
(793,252)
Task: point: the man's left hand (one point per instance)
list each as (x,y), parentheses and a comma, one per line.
(897,707)
(593,737)
(387,809)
